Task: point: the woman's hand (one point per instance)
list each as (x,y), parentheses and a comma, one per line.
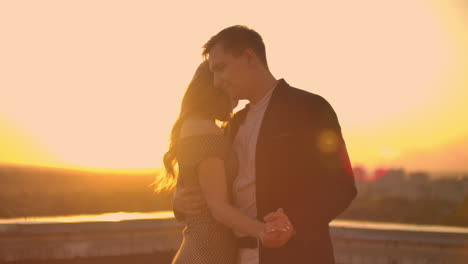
(278,229)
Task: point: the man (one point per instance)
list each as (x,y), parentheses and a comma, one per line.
(291,154)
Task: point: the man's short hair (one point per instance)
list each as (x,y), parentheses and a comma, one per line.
(235,40)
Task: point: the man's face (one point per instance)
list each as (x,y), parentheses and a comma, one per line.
(230,73)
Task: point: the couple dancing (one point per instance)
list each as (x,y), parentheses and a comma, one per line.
(263,187)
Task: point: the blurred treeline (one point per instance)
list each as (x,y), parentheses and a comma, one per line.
(32,191)
(403,210)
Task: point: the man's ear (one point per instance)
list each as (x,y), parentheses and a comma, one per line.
(250,56)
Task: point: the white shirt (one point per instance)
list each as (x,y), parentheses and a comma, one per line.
(244,186)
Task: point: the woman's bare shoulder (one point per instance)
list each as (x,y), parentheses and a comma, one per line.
(194,127)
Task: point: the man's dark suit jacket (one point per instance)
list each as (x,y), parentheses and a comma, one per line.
(302,166)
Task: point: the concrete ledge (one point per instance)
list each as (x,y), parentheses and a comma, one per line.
(354,242)
(71,240)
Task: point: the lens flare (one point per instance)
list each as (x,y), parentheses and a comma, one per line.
(328,141)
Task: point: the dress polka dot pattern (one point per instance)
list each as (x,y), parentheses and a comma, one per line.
(205,240)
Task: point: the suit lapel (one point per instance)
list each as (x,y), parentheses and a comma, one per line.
(274,113)
(272,124)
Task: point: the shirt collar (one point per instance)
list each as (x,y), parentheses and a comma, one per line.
(264,101)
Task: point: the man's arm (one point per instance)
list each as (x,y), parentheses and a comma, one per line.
(325,147)
(187,201)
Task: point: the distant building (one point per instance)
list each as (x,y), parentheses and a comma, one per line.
(391,183)
(417,186)
(450,189)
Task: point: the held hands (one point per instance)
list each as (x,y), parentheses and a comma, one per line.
(278,229)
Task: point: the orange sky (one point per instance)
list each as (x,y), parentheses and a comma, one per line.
(98,84)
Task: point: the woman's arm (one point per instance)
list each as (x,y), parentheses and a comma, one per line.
(213,184)
(212,180)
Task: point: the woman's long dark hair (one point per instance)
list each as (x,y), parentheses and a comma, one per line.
(201,99)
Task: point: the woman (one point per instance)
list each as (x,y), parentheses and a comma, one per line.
(206,159)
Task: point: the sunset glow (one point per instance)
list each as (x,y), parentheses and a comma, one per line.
(98,84)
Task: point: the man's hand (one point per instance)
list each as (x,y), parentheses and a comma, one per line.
(188,201)
(279,229)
